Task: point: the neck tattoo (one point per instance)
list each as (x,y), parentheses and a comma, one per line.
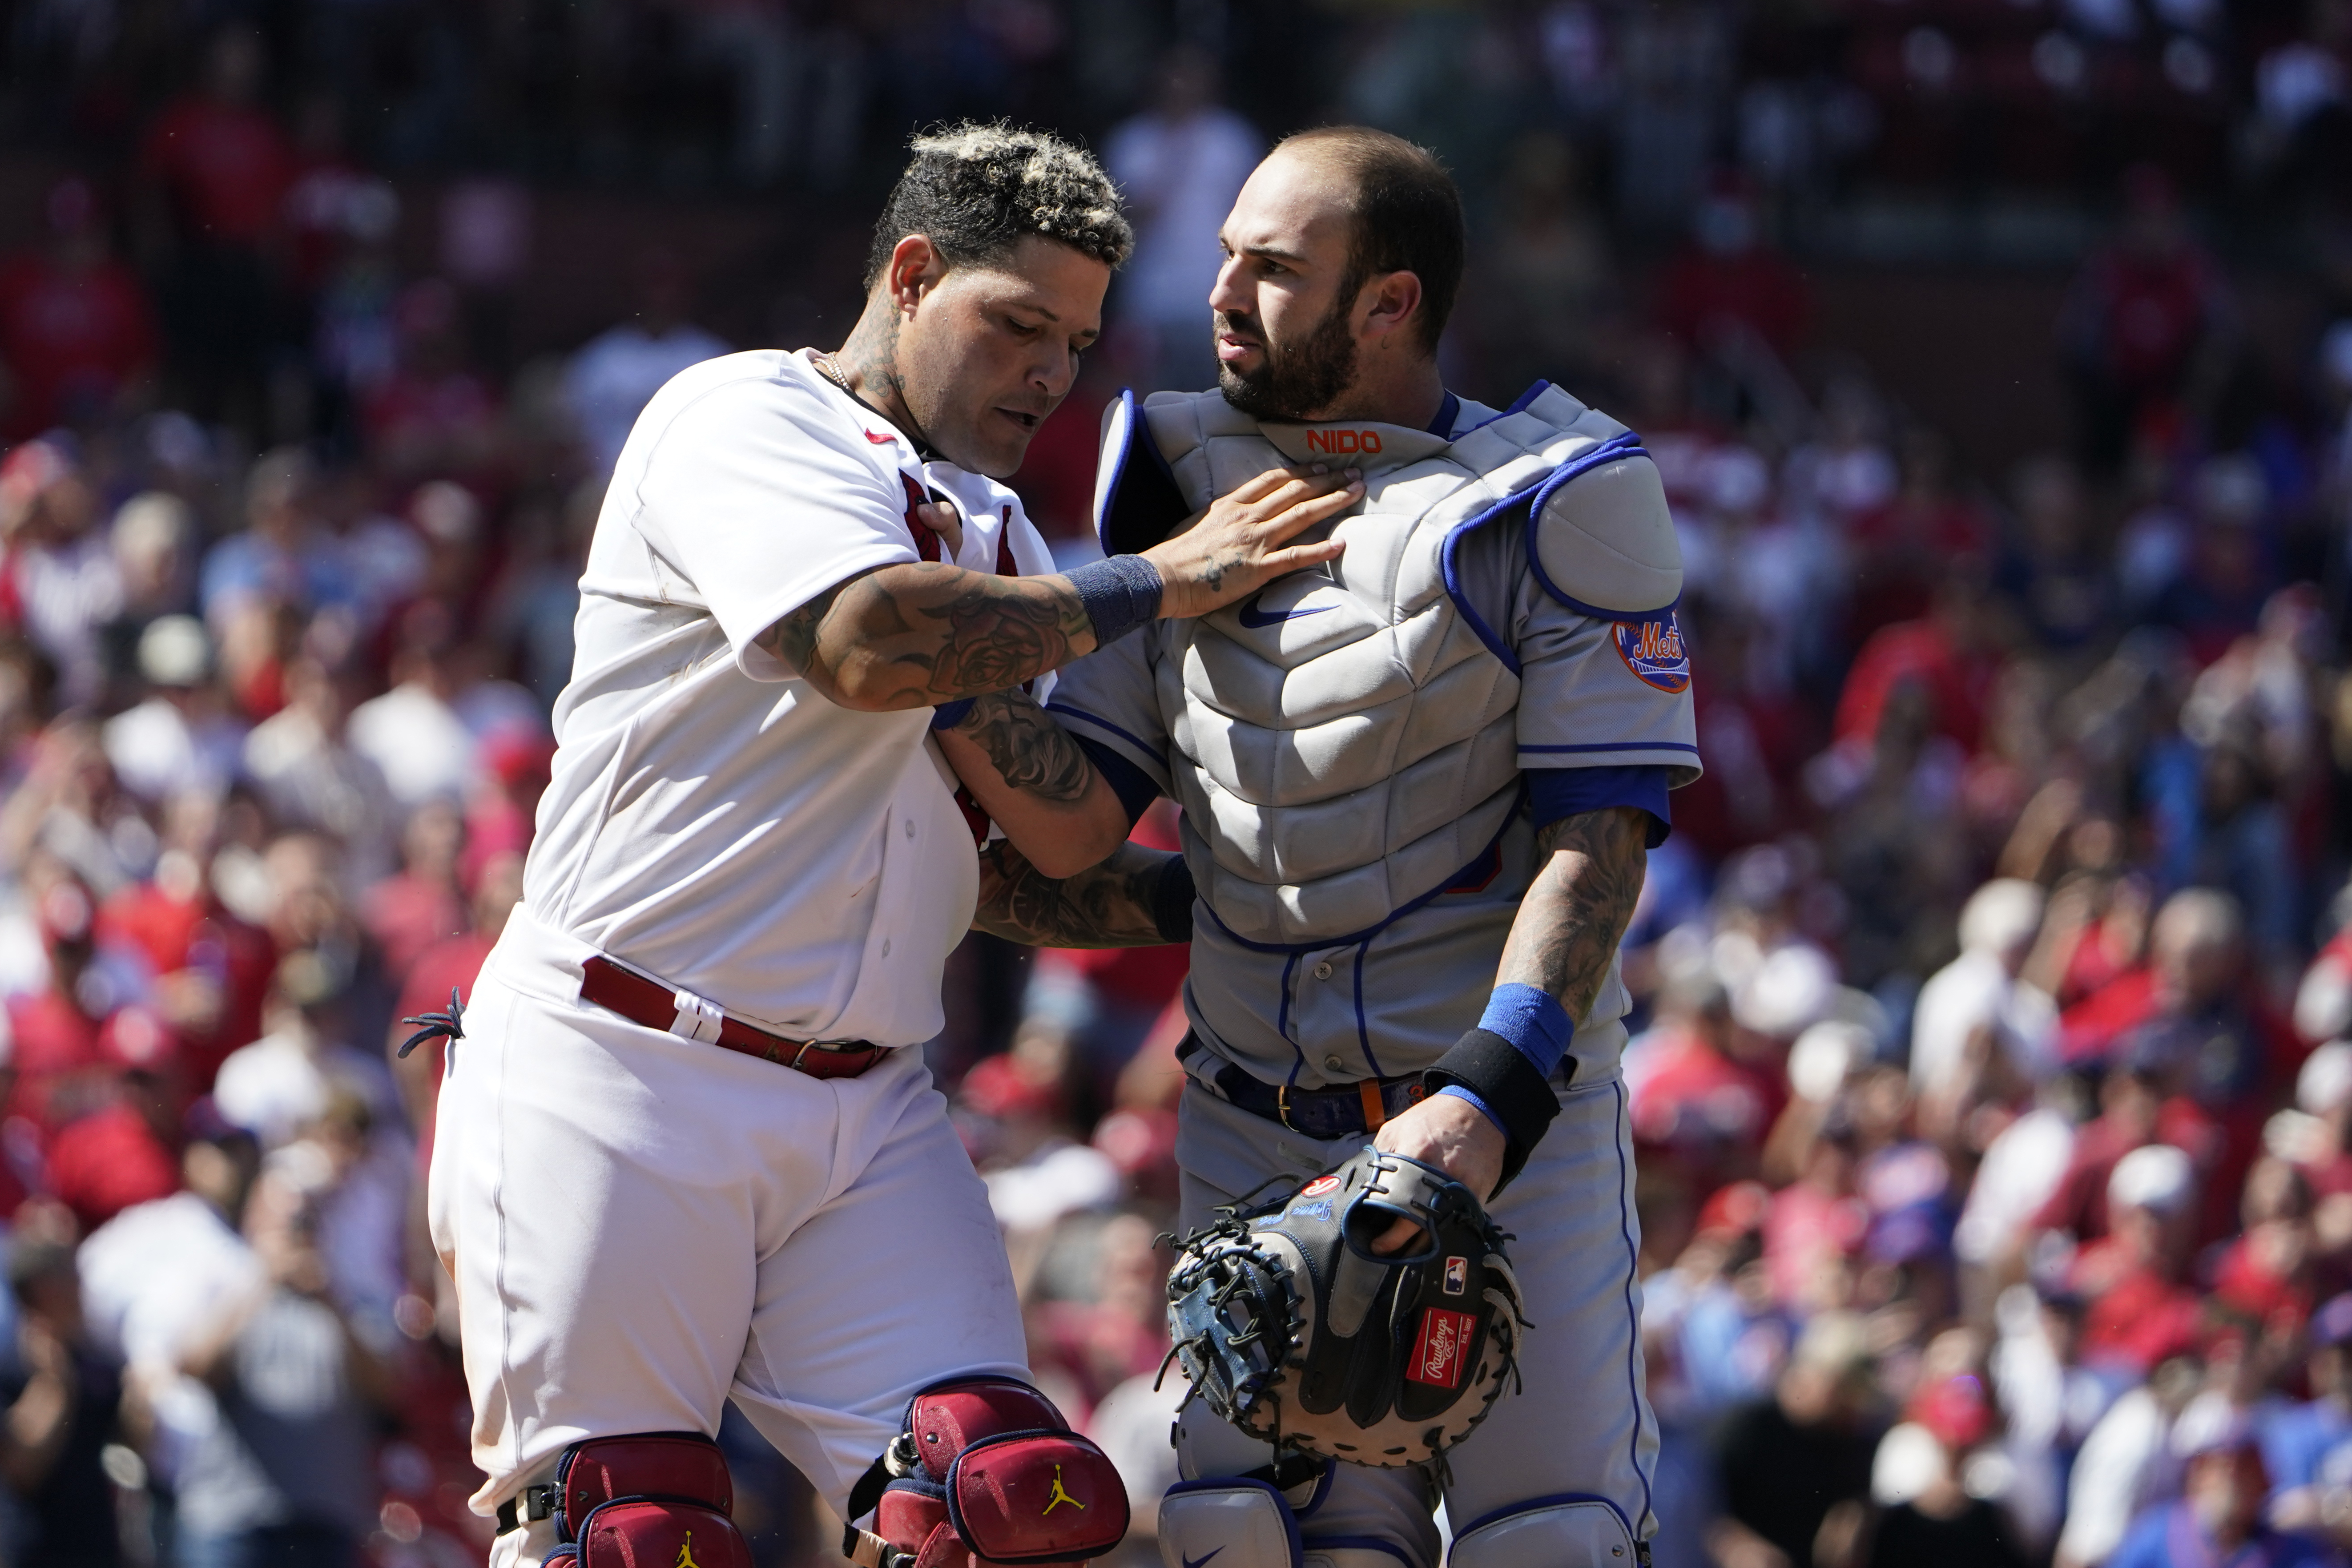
(828,368)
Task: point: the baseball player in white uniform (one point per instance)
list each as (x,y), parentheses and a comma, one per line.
(684,1155)
(1418,787)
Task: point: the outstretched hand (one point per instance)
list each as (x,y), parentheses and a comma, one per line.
(1240,543)
(1449,1133)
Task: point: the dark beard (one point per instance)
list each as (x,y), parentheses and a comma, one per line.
(1295,380)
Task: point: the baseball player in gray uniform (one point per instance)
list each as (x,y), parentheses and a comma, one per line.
(1417,784)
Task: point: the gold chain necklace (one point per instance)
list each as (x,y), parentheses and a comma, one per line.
(831,372)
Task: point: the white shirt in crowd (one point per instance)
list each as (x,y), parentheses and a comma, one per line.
(616,373)
(1180,177)
(157,751)
(417,741)
(1975,991)
(711,819)
(154,1279)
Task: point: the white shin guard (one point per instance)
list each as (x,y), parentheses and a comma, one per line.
(1239,1524)
(1549,1532)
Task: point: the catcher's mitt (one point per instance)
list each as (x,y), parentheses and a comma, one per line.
(1295,1330)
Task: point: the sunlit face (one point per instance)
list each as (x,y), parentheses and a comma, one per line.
(987,349)
(1285,337)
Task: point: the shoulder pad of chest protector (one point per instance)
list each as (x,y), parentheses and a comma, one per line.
(1152,470)
(1600,537)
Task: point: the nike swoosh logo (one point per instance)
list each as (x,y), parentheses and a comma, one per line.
(1255,619)
(1196,1562)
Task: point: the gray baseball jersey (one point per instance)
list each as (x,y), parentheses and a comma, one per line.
(1592,691)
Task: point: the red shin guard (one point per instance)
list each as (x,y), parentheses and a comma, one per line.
(655,1500)
(986,1471)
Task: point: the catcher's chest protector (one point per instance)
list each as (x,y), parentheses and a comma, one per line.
(1294,1331)
(1345,738)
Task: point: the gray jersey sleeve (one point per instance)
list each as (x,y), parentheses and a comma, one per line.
(1109,697)
(1594,692)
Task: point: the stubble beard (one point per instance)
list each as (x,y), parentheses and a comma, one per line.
(1294,381)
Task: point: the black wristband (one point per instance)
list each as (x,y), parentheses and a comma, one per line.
(1496,1070)
(1172,900)
(1119,593)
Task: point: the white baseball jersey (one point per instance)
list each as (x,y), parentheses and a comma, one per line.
(643,1226)
(712,819)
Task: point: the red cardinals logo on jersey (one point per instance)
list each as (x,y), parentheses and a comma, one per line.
(1653,650)
(1437,1353)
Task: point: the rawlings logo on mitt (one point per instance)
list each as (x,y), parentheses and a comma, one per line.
(1295,1330)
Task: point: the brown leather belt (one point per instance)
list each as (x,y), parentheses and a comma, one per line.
(641,999)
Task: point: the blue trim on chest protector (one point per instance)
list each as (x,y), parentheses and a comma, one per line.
(1625,444)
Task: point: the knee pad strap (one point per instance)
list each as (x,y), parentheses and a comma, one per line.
(1240,1522)
(1565,1531)
(678,1466)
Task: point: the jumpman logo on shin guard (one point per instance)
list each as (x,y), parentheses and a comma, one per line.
(1059,1497)
(686,1553)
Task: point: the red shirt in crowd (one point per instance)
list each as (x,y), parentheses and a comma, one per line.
(2150,311)
(1703,293)
(226,166)
(101,1163)
(2138,1320)
(407,915)
(1702,1108)
(54,1041)
(180,935)
(1922,650)
(2079,1205)
(73,338)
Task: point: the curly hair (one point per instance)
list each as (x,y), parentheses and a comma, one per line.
(974,190)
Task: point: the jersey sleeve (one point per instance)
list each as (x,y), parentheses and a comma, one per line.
(1597,692)
(1110,701)
(753,496)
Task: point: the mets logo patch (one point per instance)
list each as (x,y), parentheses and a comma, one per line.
(1653,650)
(1437,1353)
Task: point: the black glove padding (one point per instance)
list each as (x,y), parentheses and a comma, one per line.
(1295,1330)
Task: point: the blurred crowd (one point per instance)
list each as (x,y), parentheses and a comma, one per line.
(1992,1062)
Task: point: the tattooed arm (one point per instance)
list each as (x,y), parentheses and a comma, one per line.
(917,635)
(1576,913)
(1111,905)
(1567,929)
(1035,783)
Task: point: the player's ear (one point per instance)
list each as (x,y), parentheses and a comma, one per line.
(1388,304)
(916,267)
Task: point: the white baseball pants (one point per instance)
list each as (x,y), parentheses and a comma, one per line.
(642,1227)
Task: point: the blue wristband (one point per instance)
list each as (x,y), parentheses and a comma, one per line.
(1118,593)
(948,715)
(1535,1023)
(1485,1109)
